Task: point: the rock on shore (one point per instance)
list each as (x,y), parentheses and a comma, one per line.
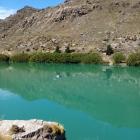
(31,130)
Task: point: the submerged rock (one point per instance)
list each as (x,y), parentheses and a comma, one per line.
(31,130)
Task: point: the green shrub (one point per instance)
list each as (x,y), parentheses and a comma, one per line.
(20,58)
(67,50)
(74,58)
(118,57)
(134,59)
(65,58)
(51,58)
(46,58)
(4,58)
(57,50)
(39,57)
(109,50)
(93,58)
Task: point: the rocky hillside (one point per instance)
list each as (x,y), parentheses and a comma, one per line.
(83,25)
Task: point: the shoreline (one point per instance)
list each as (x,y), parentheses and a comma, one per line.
(73,58)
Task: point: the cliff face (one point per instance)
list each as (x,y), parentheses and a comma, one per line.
(84,25)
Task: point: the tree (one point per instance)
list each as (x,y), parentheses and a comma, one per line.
(109,50)
(57,50)
(67,50)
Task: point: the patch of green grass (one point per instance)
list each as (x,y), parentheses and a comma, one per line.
(93,58)
(73,58)
(47,58)
(66,58)
(86,58)
(134,59)
(118,58)
(21,58)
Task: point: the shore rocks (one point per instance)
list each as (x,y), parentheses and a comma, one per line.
(31,130)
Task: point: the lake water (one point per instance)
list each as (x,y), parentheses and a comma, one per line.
(92,102)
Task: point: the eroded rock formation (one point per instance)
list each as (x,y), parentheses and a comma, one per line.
(31,130)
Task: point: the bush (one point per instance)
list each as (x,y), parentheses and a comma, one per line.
(38,57)
(20,58)
(57,50)
(74,58)
(46,58)
(109,50)
(67,50)
(57,58)
(134,59)
(93,58)
(66,58)
(4,58)
(52,58)
(118,57)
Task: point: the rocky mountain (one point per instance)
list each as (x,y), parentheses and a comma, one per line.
(83,25)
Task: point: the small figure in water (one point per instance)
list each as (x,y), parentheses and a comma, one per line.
(58,76)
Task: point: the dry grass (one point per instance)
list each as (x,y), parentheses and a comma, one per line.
(55,128)
(5,137)
(15,129)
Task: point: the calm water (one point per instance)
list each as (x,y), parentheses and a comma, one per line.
(92,102)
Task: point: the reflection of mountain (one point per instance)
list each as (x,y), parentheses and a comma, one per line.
(108,94)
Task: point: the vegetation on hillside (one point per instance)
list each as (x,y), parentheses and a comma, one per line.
(134,59)
(66,58)
(57,49)
(58,57)
(109,50)
(118,58)
(20,58)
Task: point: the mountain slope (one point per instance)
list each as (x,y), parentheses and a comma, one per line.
(83,25)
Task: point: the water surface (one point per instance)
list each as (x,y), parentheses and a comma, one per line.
(92,102)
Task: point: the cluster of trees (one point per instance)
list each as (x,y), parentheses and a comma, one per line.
(89,58)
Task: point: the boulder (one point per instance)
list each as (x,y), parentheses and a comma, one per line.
(31,130)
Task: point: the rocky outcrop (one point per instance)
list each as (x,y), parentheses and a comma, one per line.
(31,130)
(72,12)
(15,19)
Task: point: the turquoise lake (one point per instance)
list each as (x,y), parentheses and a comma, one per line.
(93,102)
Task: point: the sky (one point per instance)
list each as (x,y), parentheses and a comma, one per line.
(8,7)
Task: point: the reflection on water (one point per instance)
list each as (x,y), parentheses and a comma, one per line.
(93,102)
